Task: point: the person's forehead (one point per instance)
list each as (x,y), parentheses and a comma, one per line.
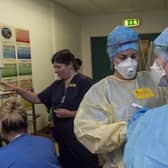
(58,64)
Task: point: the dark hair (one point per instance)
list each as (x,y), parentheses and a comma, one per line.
(78,63)
(66,57)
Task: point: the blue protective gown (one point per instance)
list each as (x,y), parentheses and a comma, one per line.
(147,140)
(29,152)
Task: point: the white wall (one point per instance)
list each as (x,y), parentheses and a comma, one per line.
(51,28)
(151,22)
(67,30)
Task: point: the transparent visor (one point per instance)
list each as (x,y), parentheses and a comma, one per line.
(161,53)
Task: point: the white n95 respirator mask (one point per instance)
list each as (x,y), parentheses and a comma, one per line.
(127,68)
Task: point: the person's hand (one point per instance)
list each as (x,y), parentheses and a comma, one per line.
(7,86)
(139,112)
(64,113)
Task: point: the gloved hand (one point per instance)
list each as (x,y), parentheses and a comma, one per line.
(139,112)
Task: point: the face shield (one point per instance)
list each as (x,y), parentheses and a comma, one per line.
(162,54)
(158,68)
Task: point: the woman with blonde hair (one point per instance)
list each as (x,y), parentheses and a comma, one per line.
(23,150)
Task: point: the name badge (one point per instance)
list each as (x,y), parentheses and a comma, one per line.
(72,85)
(143,93)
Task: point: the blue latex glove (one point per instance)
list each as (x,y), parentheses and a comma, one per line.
(139,113)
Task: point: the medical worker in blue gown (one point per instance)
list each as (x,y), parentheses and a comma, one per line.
(147,131)
(23,150)
(102,118)
(147,144)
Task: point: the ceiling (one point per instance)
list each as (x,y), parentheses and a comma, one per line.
(101,7)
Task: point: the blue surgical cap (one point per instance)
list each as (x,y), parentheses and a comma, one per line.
(161,45)
(162,39)
(121,39)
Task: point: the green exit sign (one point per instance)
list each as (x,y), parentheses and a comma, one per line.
(132,22)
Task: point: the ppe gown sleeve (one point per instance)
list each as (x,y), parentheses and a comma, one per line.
(94,123)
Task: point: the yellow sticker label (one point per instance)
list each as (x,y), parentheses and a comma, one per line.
(143,93)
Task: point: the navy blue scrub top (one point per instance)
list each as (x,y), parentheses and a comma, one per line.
(55,97)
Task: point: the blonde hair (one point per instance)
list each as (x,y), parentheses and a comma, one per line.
(13,117)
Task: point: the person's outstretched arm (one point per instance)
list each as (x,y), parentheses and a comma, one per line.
(29,96)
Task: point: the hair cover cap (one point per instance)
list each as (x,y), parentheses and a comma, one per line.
(161,45)
(162,39)
(121,39)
